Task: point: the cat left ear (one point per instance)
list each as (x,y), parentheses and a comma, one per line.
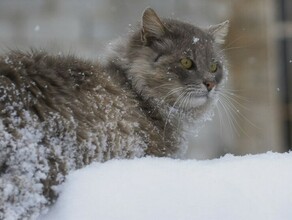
(219,31)
(152,27)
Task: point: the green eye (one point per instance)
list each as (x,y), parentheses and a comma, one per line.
(213,67)
(186,63)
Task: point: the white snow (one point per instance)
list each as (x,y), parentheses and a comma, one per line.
(195,40)
(36,28)
(249,187)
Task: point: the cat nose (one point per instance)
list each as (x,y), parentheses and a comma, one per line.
(209,85)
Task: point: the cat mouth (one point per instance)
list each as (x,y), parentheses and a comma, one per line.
(199,94)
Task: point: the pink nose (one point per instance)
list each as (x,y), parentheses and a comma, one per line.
(209,85)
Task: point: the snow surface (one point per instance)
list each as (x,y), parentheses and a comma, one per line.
(249,187)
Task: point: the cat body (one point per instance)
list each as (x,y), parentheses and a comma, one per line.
(61,113)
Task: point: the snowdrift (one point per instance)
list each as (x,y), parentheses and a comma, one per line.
(248,187)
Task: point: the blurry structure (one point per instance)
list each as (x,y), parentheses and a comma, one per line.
(258,49)
(285,61)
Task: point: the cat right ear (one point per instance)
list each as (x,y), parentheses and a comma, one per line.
(152,27)
(219,31)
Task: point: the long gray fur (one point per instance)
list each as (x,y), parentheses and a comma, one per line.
(60,113)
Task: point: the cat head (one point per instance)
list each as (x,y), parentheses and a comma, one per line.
(175,62)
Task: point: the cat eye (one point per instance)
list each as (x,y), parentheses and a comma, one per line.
(213,67)
(186,63)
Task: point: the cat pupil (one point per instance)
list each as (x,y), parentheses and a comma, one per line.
(213,67)
(187,63)
(157,57)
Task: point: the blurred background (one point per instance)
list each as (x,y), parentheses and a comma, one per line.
(256,117)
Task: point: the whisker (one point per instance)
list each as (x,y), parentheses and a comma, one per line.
(230,122)
(220,119)
(170,111)
(234,41)
(231,90)
(226,96)
(231,44)
(231,48)
(163,85)
(235,110)
(183,104)
(232,93)
(176,90)
(171,92)
(234,120)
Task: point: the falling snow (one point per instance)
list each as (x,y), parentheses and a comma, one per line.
(36,28)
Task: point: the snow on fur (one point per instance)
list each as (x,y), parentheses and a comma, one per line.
(249,187)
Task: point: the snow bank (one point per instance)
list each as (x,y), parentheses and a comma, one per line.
(250,187)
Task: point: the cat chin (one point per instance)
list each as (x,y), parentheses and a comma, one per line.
(197,102)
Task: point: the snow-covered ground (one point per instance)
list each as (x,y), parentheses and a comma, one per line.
(249,187)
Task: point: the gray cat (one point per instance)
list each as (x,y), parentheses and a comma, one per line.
(60,113)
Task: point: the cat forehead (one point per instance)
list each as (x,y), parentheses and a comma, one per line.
(186,30)
(187,36)
(193,44)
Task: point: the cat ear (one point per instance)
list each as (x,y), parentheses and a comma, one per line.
(152,27)
(219,31)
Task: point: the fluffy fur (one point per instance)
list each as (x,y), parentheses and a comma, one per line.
(60,113)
